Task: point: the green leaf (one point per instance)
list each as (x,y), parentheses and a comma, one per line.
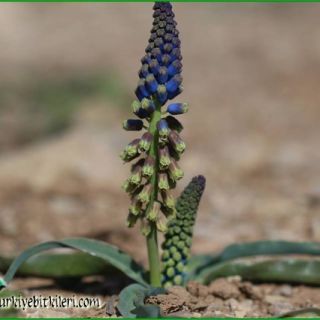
(95,248)
(61,265)
(302,313)
(289,271)
(258,248)
(131,302)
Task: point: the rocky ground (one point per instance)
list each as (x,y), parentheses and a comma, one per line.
(231,297)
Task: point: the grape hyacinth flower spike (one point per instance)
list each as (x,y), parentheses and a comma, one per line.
(159,148)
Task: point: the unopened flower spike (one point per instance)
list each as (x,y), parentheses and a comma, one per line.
(159,80)
(178,239)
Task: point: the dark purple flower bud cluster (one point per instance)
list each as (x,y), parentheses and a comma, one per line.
(160,73)
(158,150)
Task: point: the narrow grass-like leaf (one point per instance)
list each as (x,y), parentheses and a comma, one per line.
(131,302)
(99,249)
(259,248)
(288,271)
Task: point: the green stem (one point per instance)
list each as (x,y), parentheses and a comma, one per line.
(152,239)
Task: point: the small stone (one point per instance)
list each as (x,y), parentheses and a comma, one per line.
(250,291)
(233,304)
(280,307)
(180,314)
(285,291)
(196,315)
(197,289)
(180,292)
(224,289)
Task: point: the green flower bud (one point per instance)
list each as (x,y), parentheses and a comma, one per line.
(163,183)
(145,228)
(170,272)
(168,200)
(135,207)
(148,168)
(147,105)
(177,256)
(170,263)
(145,141)
(178,280)
(175,172)
(164,158)
(161,223)
(173,250)
(135,106)
(154,212)
(178,145)
(131,151)
(168,284)
(180,244)
(131,220)
(144,195)
(135,177)
(128,187)
(165,254)
(180,267)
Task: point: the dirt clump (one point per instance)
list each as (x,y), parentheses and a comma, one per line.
(232,297)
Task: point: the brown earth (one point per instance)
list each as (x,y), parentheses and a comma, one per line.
(231,297)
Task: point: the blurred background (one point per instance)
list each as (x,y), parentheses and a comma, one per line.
(251,76)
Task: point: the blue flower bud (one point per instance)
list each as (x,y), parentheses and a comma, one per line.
(174,68)
(143,72)
(176,42)
(172,95)
(133,125)
(166,59)
(145,59)
(167,47)
(154,66)
(151,83)
(162,75)
(174,83)
(163,129)
(158,42)
(141,91)
(156,54)
(175,54)
(177,108)
(168,37)
(162,94)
